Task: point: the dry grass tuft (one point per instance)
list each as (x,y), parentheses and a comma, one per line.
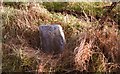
(97,49)
(83,54)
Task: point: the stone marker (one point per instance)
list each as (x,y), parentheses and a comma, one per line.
(52,38)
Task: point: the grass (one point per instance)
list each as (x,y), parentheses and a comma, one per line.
(90,8)
(97,50)
(87,48)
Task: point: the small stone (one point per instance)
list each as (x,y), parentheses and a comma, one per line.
(52,38)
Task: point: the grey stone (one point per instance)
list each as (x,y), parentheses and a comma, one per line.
(52,38)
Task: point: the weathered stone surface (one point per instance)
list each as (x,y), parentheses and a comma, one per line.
(52,38)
